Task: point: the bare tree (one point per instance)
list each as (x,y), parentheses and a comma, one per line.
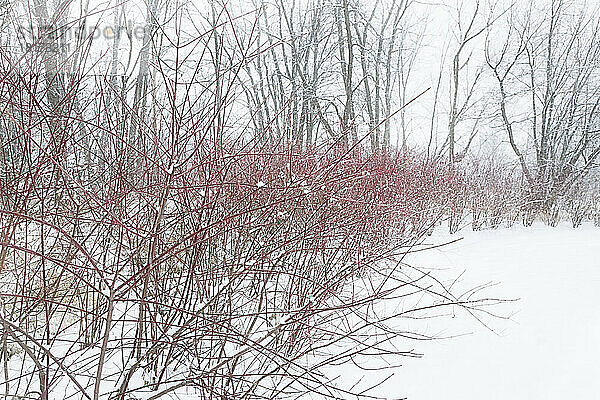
(346,62)
(555,61)
(462,98)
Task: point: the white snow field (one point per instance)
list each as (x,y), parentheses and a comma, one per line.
(550,349)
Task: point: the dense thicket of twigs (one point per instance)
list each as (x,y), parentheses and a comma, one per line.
(181,261)
(159,239)
(153,253)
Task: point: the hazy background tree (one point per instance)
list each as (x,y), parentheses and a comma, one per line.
(546,69)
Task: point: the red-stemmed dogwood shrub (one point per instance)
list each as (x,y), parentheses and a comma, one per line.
(150,250)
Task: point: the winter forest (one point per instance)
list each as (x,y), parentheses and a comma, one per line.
(299,199)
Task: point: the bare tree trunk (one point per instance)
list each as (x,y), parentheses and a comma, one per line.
(345,38)
(362,43)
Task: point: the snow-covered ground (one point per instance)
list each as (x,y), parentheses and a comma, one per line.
(551,347)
